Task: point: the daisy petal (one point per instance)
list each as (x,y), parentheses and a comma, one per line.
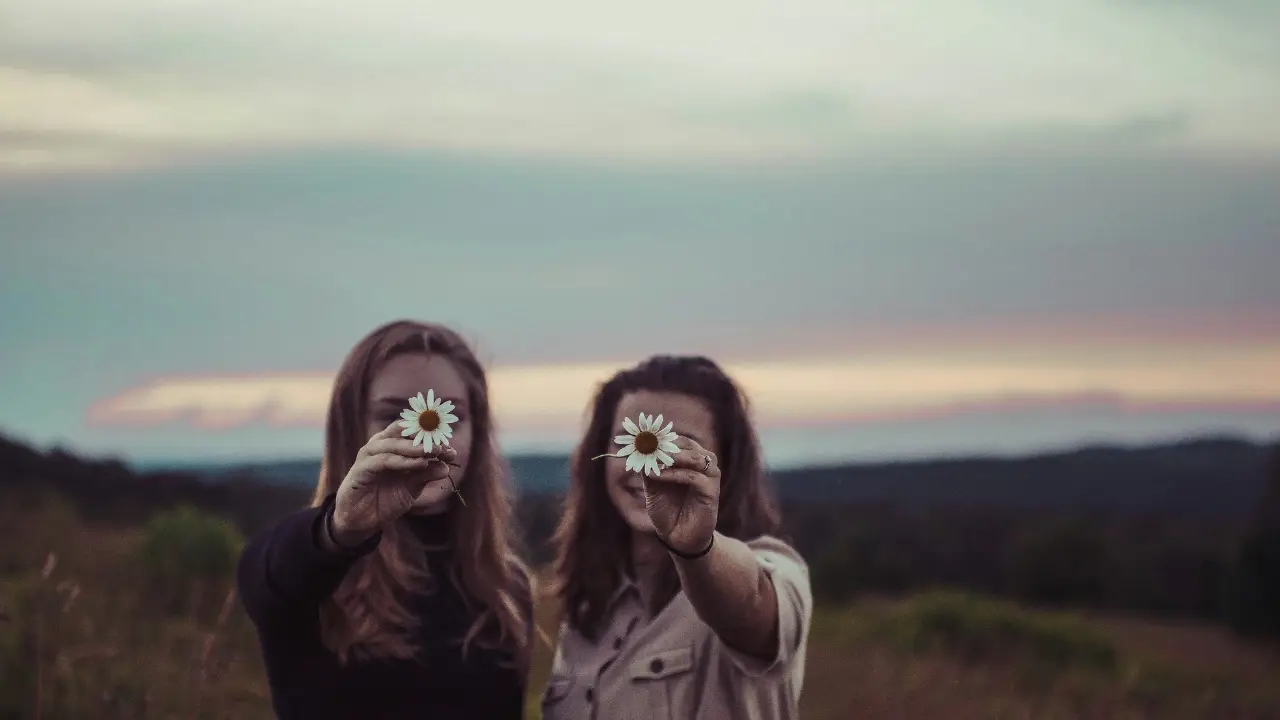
(625,439)
(651,466)
(431,399)
(447,418)
(630,426)
(666,430)
(446,406)
(656,424)
(417,403)
(669,447)
(408,430)
(635,461)
(625,451)
(665,459)
(417,439)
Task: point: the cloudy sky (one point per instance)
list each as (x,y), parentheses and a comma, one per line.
(908,228)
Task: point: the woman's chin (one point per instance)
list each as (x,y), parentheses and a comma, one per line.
(630,505)
(638,520)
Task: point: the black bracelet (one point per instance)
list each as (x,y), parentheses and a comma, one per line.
(684,555)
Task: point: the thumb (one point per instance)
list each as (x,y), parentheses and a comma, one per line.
(447,454)
(435,470)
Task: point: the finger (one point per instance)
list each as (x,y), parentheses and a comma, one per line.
(447,455)
(680,476)
(417,471)
(671,476)
(397,446)
(693,456)
(391,431)
(383,462)
(437,469)
(405,446)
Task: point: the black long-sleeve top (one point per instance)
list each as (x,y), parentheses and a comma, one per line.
(285,575)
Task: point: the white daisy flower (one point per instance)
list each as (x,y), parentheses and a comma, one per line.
(647,446)
(428,420)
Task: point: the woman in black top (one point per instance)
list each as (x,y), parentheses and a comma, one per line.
(391,598)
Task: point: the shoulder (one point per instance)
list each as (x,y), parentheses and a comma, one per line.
(776,551)
(294,532)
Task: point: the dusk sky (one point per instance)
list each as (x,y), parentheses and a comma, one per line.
(908,228)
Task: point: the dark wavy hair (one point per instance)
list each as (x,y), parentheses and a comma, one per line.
(593,542)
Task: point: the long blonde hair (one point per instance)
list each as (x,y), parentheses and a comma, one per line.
(367,616)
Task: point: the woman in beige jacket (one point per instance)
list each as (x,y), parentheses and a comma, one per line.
(678,600)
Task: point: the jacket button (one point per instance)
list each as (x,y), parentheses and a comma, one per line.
(591,694)
(655,667)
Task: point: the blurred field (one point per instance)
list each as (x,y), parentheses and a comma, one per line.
(98,638)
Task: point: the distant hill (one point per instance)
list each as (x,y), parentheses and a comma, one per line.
(1147,530)
(1213,476)
(1200,477)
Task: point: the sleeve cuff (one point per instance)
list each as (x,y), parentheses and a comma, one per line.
(299,568)
(324,524)
(789,578)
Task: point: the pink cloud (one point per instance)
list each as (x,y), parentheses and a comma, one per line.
(550,399)
(219,402)
(1067,403)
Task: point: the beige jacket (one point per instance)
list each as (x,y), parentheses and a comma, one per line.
(673,667)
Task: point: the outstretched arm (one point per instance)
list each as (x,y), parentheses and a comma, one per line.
(755,596)
(295,566)
(732,593)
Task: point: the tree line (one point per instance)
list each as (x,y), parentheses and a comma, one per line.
(1209,567)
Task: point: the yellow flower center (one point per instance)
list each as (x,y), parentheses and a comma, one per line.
(646,443)
(429,420)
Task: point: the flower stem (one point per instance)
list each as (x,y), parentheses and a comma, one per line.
(455,487)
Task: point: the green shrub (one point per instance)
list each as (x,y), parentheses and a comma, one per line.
(188,560)
(978,629)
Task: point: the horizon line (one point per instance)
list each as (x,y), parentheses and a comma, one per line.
(1166,440)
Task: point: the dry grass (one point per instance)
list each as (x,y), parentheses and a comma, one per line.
(932,656)
(82,640)
(864,662)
